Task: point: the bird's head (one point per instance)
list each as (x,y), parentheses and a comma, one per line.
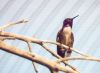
(69,21)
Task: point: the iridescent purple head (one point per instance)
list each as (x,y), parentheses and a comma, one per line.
(69,22)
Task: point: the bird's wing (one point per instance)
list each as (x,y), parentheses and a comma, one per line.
(72,39)
(60,50)
(57,38)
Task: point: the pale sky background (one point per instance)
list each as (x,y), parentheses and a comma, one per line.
(45,19)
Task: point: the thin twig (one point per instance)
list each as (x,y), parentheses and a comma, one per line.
(12,24)
(79,58)
(30,49)
(56,55)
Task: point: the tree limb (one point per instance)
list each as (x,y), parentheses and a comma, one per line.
(36,58)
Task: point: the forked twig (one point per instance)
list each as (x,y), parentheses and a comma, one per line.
(30,49)
(56,55)
(12,24)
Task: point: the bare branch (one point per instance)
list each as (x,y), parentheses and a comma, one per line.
(12,24)
(79,58)
(36,58)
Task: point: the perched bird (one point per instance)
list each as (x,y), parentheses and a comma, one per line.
(66,37)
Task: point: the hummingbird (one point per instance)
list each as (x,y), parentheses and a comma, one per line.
(65,36)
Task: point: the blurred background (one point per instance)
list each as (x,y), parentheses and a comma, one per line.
(45,19)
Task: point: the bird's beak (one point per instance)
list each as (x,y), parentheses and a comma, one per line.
(75,16)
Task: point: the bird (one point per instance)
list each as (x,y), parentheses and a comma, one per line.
(65,36)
